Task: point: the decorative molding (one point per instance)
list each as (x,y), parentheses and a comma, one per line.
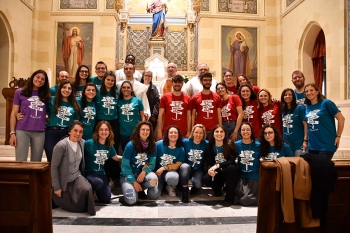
(292,7)
(85,14)
(88,4)
(28,4)
(255,18)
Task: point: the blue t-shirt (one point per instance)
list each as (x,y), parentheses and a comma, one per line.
(95,155)
(79,92)
(299,96)
(167,156)
(321,125)
(96,81)
(129,115)
(88,118)
(293,128)
(194,153)
(248,159)
(133,162)
(286,151)
(53,90)
(106,106)
(65,115)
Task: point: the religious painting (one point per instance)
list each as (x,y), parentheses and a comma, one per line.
(239,51)
(74,46)
(78,4)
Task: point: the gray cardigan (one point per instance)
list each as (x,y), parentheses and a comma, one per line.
(60,164)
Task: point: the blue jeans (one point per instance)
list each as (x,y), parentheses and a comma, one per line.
(230,127)
(326,154)
(172,179)
(36,140)
(131,196)
(52,137)
(100,185)
(186,173)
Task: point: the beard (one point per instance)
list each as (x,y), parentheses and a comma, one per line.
(299,85)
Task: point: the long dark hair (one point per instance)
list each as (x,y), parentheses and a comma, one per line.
(265,145)
(121,95)
(226,146)
(166,137)
(252,94)
(319,95)
(77,78)
(136,140)
(71,98)
(83,96)
(110,138)
(284,105)
(43,91)
(246,78)
(103,89)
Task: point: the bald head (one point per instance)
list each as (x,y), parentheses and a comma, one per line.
(62,75)
(171,69)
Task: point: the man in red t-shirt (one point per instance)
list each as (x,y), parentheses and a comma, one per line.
(206,105)
(174,109)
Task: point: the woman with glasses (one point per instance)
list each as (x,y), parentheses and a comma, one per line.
(193,167)
(81,78)
(230,81)
(130,110)
(250,107)
(220,159)
(294,128)
(231,112)
(248,167)
(269,111)
(88,109)
(272,145)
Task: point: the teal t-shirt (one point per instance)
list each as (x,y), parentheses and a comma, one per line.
(286,151)
(95,155)
(194,153)
(167,156)
(293,128)
(129,115)
(88,118)
(106,106)
(65,116)
(53,90)
(248,159)
(96,81)
(79,92)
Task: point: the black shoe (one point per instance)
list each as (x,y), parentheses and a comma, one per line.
(194,191)
(142,195)
(185,197)
(227,203)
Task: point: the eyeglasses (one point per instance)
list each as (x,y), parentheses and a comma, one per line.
(268,133)
(84,71)
(297,77)
(128,68)
(100,68)
(220,88)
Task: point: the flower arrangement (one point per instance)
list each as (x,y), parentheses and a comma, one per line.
(186,78)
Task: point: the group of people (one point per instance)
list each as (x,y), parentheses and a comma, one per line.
(214,134)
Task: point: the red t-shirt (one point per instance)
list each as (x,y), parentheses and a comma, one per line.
(232,90)
(176,108)
(271,114)
(229,108)
(206,107)
(251,115)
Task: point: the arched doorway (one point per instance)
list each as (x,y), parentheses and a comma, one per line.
(306,49)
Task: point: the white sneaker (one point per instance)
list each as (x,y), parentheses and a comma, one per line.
(171,191)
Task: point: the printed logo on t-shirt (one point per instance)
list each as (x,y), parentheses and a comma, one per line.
(225,111)
(311,119)
(166,160)
(301,101)
(272,155)
(207,106)
(219,158)
(141,159)
(246,158)
(176,107)
(267,117)
(62,113)
(35,104)
(127,111)
(248,113)
(287,123)
(89,114)
(101,157)
(108,102)
(195,156)
(78,94)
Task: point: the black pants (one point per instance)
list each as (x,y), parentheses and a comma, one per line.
(228,176)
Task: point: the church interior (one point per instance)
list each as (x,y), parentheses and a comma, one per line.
(281,36)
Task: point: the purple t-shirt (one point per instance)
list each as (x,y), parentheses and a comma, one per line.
(33,109)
